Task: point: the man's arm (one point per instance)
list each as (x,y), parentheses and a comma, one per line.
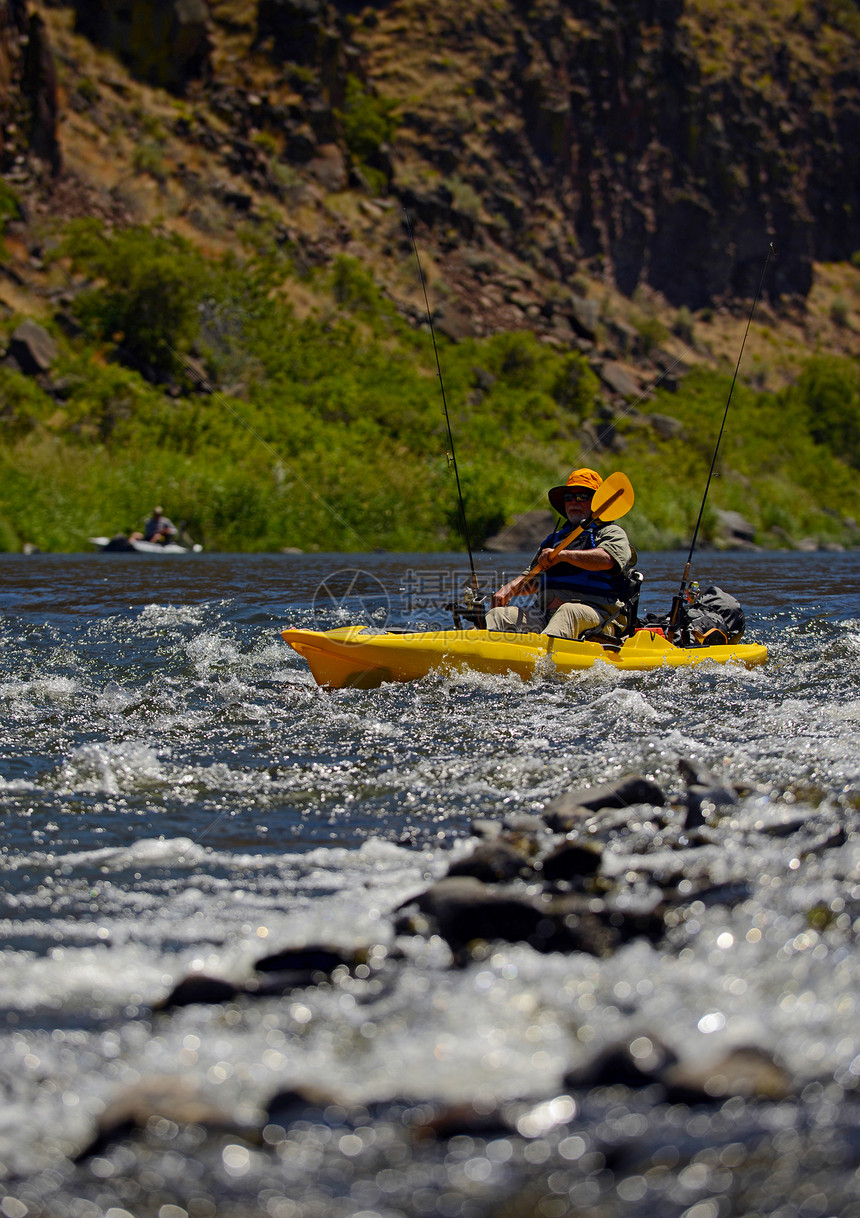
(587,560)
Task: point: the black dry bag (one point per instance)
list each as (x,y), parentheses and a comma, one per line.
(713,618)
(709,618)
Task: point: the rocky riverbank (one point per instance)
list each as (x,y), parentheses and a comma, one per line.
(599,869)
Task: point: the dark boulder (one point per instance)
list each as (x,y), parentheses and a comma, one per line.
(572,861)
(525,532)
(644,1061)
(176,1100)
(492,862)
(32,348)
(198,988)
(462,910)
(164,42)
(39,85)
(634,789)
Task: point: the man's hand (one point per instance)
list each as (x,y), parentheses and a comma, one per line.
(515,587)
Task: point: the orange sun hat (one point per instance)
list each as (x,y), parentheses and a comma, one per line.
(589,479)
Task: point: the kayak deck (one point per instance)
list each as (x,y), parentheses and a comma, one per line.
(360,658)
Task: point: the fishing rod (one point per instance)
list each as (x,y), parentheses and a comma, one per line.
(452,456)
(678,599)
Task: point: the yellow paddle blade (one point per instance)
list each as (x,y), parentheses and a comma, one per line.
(614,499)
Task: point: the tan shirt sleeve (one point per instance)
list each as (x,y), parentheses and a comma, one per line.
(613,539)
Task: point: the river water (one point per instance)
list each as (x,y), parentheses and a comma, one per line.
(177,796)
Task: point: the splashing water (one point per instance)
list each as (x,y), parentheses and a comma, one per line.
(178,798)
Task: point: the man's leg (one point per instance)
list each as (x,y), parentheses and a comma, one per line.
(511,620)
(571,619)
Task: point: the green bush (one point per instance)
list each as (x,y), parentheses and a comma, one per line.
(683,324)
(839,311)
(652,333)
(368,121)
(10,207)
(829,390)
(147,306)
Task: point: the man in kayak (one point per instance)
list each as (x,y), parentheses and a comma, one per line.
(583,586)
(157,529)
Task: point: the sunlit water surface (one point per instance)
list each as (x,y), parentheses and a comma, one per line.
(176,794)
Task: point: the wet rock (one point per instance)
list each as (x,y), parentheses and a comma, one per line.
(622,918)
(296,1103)
(746,1071)
(177,1101)
(297,967)
(492,862)
(831,838)
(32,348)
(730,893)
(526,833)
(313,962)
(572,861)
(633,1063)
(524,824)
(778,820)
(198,988)
(566,820)
(485,829)
(704,795)
(575,924)
(469,1119)
(634,789)
(462,910)
(644,1061)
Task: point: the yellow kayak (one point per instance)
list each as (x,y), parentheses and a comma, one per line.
(356,657)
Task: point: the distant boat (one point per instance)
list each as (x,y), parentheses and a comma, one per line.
(124,545)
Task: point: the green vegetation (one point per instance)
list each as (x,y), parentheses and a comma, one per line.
(368,125)
(147,302)
(329,431)
(10,207)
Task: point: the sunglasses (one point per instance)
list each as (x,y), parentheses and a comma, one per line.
(578,496)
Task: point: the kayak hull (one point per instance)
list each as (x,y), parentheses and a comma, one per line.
(359,658)
(125,545)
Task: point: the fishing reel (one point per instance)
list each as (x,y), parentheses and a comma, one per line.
(471,611)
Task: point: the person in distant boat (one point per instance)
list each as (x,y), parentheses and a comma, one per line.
(582,587)
(158,529)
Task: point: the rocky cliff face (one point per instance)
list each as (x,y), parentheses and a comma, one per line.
(28,89)
(648,143)
(646,139)
(164,42)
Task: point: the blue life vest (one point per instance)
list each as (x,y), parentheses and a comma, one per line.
(565,580)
